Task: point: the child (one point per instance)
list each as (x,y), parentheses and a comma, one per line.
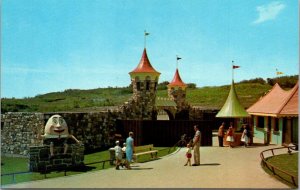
(123,155)
(118,153)
(188,155)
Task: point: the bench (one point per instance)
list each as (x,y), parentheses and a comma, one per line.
(145,149)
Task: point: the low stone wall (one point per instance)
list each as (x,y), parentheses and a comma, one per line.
(39,159)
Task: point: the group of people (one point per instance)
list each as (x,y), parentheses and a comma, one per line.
(124,153)
(230,135)
(192,146)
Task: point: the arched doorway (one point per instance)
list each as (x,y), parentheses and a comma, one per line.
(164,114)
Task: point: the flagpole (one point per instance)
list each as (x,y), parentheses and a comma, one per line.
(145,39)
(176,61)
(232,70)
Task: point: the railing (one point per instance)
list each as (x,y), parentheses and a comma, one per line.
(14,175)
(274,168)
(65,169)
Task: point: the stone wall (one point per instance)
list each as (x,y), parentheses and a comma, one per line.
(94,129)
(39,159)
(142,103)
(19,130)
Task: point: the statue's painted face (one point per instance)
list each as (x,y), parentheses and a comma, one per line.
(56,125)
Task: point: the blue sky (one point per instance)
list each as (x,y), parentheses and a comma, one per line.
(53,45)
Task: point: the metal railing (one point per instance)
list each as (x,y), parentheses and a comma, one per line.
(45,171)
(14,175)
(273,168)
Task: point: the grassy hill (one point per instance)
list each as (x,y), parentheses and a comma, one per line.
(97,99)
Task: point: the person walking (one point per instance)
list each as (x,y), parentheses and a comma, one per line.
(230,138)
(188,155)
(129,150)
(245,136)
(221,134)
(196,146)
(118,154)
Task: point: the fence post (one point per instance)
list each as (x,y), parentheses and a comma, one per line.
(273,170)
(14,178)
(293,180)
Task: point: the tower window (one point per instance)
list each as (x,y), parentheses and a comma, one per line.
(138,85)
(155,85)
(147,85)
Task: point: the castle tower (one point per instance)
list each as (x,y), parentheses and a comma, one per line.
(144,79)
(177,90)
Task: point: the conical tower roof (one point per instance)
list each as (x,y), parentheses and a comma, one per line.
(144,66)
(232,107)
(177,82)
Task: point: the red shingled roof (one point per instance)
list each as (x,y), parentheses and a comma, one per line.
(177,80)
(291,106)
(144,66)
(277,102)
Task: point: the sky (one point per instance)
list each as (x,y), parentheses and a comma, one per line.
(54,45)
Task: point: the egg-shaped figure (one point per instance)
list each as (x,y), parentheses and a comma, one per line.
(56,127)
(56,134)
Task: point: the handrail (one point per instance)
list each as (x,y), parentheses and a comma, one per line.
(274,168)
(14,175)
(45,171)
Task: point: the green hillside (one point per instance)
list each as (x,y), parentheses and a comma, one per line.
(96,99)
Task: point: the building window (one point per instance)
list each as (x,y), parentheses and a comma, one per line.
(138,85)
(276,124)
(155,85)
(147,85)
(260,122)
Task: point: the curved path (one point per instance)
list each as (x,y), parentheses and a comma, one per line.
(224,167)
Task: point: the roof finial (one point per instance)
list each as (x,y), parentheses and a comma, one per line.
(145,34)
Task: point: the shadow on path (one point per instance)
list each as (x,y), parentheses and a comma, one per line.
(210,164)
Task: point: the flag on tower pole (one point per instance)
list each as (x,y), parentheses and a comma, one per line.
(145,34)
(234,67)
(177,58)
(278,72)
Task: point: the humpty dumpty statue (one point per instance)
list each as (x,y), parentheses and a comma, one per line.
(56,133)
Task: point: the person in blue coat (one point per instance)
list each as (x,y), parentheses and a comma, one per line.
(129,150)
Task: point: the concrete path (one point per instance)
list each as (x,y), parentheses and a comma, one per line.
(224,167)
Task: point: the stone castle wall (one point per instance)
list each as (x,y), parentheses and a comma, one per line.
(94,129)
(19,130)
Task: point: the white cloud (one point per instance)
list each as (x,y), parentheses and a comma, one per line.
(268,12)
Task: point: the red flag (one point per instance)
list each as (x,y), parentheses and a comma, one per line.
(235,66)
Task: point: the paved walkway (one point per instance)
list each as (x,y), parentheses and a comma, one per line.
(225,167)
